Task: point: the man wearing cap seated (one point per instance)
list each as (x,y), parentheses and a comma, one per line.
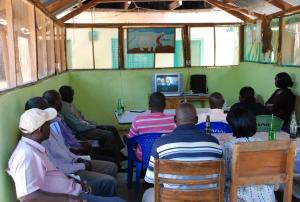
(35,177)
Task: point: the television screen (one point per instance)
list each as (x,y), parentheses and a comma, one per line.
(167,83)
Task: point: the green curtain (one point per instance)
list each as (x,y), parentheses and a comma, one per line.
(114,49)
(253,47)
(197,51)
(178,56)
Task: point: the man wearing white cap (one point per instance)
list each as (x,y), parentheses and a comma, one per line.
(35,177)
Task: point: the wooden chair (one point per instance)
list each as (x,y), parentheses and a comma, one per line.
(265,162)
(189,168)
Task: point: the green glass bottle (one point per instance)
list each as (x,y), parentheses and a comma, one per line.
(119,107)
(272,132)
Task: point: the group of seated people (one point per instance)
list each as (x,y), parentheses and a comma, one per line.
(46,164)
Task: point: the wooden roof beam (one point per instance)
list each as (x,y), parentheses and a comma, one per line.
(291,10)
(235,11)
(175,4)
(56,5)
(79,10)
(280,4)
(127,4)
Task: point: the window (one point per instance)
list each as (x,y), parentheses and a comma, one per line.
(41,44)
(50,46)
(253,44)
(227,45)
(155,60)
(25,41)
(79,48)
(202,46)
(62,38)
(7,66)
(57,45)
(106,48)
(291,40)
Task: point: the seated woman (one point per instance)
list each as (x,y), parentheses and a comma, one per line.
(282,101)
(243,125)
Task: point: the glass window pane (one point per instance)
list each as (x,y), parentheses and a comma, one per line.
(25,41)
(163,60)
(50,46)
(79,46)
(106,48)
(227,46)
(202,46)
(291,40)
(41,43)
(7,66)
(144,60)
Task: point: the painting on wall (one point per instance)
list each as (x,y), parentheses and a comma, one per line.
(151,40)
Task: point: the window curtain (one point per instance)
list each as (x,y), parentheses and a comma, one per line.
(253,44)
(291,40)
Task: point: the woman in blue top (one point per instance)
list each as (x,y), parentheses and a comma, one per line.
(243,125)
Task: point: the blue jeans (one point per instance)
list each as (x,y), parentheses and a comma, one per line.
(93,198)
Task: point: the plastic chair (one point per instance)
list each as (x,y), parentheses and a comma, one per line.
(146,142)
(263,123)
(216,127)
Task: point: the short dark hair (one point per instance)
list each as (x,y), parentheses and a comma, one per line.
(242,122)
(66,93)
(216,100)
(157,101)
(247,94)
(50,96)
(284,80)
(36,102)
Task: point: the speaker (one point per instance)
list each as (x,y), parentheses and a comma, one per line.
(198,83)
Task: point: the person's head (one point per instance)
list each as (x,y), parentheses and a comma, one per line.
(186,114)
(283,80)
(216,100)
(247,95)
(35,123)
(242,122)
(53,98)
(36,102)
(157,102)
(67,93)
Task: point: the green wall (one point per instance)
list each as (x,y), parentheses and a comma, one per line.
(97,91)
(12,105)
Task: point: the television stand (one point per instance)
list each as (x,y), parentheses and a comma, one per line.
(172,102)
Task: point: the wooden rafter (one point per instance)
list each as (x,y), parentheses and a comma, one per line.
(281,4)
(285,12)
(56,5)
(79,10)
(175,4)
(235,11)
(127,4)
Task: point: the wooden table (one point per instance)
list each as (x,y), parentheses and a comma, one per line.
(173,101)
(128,116)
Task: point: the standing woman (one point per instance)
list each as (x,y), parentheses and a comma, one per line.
(282,101)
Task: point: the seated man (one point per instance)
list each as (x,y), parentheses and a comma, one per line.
(248,101)
(83,128)
(99,174)
(106,153)
(155,122)
(35,177)
(216,113)
(182,142)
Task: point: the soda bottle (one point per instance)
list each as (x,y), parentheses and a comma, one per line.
(293,126)
(207,126)
(272,132)
(119,107)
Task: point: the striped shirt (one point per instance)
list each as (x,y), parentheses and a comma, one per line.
(156,122)
(185,143)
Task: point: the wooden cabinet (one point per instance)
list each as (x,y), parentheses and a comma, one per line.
(172,102)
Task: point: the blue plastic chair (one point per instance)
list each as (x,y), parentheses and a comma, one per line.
(216,127)
(146,142)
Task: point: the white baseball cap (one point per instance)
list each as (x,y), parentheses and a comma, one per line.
(34,118)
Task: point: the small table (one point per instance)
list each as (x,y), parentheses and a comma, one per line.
(128,116)
(172,102)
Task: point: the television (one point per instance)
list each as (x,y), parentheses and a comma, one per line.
(170,84)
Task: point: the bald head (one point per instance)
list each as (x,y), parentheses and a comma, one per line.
(186,114)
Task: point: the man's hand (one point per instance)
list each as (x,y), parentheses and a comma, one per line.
(88,165)
(86,187)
